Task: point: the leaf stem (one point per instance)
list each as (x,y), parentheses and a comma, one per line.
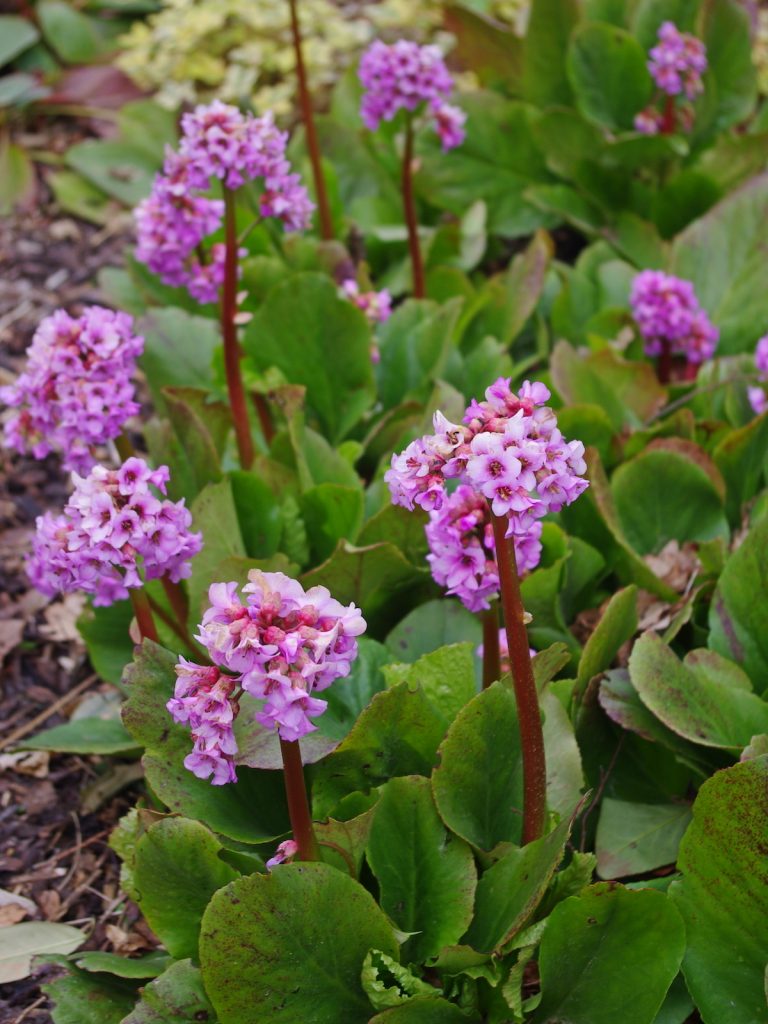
(228,310)
(491,653)
(528,713)
(143,614)
(409,206)
(298,804)
(307,116)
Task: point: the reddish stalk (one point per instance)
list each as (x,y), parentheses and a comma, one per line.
(529,715)
(298,804)
(265,420)
(691,371)
(235,387)
(665,363)
(143,614)
(409,206)
(669,120)
(177,599)
(491,653)
(307,116)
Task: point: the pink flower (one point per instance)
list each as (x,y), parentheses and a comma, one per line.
(406,76)
(204,699)
(677,62)
(377,306)
(76,391)
(757,396)
(287,850)
(667,312)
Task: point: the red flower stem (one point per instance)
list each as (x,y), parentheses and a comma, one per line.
(143,614)
(178,628)
(669,120)
(665,363)
(177,599)
(298,804)
(265,420)
(409,206)
(691,371)
(491,654)
(307,116)
(528,713)
(235,387)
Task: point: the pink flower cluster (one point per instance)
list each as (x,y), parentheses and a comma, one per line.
(204,699)
(461,544)
(757,396)
(76,391)
(508,448)
(377,306)
(282,645)
(113,529)
(667,312)
(403,77)
(218,142)
(677,62)
(287,850)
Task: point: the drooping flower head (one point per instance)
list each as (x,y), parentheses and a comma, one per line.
(218,143)
(406,76)
(114,529)
(757,396)
(377,306)
(281,644)
(204,699)
(76,391)
(677,62)
(508,448)
(286,851)
(667,312)
(461,544)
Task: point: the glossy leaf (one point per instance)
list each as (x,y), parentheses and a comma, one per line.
(431,626)
(17,34)
(447,677)
(176,997)
(617,625)
(84,736)
(307,929)
(607,71)
(635,838)
(82,998)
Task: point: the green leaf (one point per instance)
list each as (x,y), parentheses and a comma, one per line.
(740,457)
(491,49)
(423,1010)
(617,625)
(546,42)
(664,495)
(635,838)
(678,1005)
(250,810)
(705,711)
(176,997)
(565,777)
(83,998)
(396,734)
(258,513)
(723,895)
(173,901)
(726,33)
(511,889)
(200,428)
(123,171)
(737,614)
(377,578)
(447,677)
(498,160)
(400,527)
(16,35)
(478,783)
(178,350)
(387,984)
(332,513)
(301,328)
(589,942)
(17,176)
(608,73)
(72,35)
(348,698)
(76,195)
(105,632)
(433,625)
(426,876)
(414,345)
(20,942)
(721,253)
(307,929)
(149,966)
(215,515)
(84,736)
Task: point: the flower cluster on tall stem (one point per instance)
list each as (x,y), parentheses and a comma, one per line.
(509,451)
(281,645)
(414,79)
(757,396)
(76,391)
(676,64)
(671,321)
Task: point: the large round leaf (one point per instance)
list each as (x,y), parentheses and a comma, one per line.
(608,74)
(426,876)
(478,784)
(723,895)
(609,955)
(664,495)
(289,947)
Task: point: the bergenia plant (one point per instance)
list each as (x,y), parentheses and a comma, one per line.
(676,64)
(509,451)
(757,396)
(412,79)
